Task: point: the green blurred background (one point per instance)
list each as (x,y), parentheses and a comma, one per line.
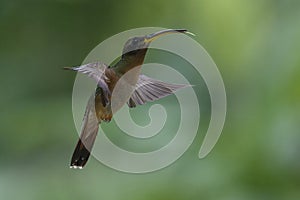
(256,47)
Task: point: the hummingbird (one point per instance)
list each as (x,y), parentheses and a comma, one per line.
(100,105)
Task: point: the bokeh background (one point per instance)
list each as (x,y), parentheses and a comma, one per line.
(256,47)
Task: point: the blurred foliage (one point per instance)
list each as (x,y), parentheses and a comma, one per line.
(256,47)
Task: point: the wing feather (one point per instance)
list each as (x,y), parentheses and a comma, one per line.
(148,90)
(94,70)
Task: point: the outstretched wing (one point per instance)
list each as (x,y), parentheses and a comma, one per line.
(148,89)
(96,71)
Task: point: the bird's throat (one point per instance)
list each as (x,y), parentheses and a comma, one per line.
(129,62)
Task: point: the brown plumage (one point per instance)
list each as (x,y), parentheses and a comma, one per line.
(99,106)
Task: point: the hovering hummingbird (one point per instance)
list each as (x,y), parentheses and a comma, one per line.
(99,107)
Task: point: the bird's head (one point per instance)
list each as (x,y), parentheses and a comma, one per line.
(136,47)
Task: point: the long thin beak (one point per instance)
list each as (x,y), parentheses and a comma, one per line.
(154,36)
